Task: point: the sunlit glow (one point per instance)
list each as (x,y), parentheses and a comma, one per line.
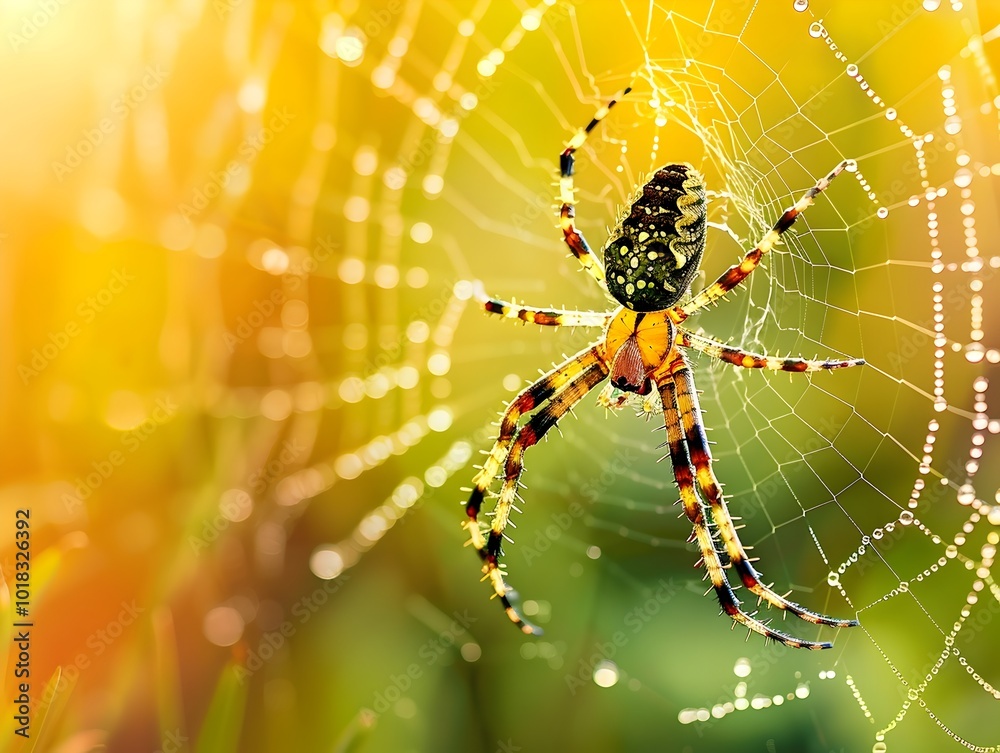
(606,674)
(421,232)
(125,410)
(223,626)
(742,668)
(349,49)
(252,95)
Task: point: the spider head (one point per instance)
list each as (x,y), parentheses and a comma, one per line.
(655,250)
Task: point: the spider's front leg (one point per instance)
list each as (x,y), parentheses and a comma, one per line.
(694,434)
(564,387)
(567,196)
(737,273)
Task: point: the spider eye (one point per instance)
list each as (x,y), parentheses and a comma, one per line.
(655,252)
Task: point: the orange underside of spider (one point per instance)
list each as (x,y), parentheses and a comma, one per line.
(644,352)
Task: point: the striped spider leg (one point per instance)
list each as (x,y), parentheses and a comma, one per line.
(737,273)
(543,317)
(563,387)
(738,357)
(678,386)
(567,195)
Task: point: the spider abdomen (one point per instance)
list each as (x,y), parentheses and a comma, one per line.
(655,251)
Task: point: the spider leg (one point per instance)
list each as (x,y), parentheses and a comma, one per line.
(528,399)
(695,510)
(697,442)
(567,213)
(738,357)
(543,317)
(530,435)
(739,272)
(490,550)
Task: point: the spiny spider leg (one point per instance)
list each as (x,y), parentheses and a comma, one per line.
(697,442)
(695,510)
(543,317)
(567,213)
(737,357)
(528,399)
(490,551)
(739,272)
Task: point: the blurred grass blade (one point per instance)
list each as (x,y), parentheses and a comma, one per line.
(44,718)
(168,689)
(220,732)
(356,732)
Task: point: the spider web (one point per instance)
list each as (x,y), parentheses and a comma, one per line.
(345,174)
(866,491)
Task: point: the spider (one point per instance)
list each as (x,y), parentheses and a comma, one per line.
(650,259)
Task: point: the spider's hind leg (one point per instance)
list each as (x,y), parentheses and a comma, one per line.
(564,387)
(697,442)
(705,534)
(527,400)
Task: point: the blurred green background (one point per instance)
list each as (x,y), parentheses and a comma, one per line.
(244,383)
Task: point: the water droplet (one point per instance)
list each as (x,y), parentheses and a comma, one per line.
(951,551)
(966,494)
(851,166)
(800,5)
(877,533)
(974,352)
(816,29)
(906,517)
(963,177)
(833,578)
(953,125)
(852,70)
(890,114)
(882,213)
(878,748)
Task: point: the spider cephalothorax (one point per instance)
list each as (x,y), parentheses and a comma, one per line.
(651,258)
(638,344)
(656,249)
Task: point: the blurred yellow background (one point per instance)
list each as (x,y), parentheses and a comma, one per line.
(244,383)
